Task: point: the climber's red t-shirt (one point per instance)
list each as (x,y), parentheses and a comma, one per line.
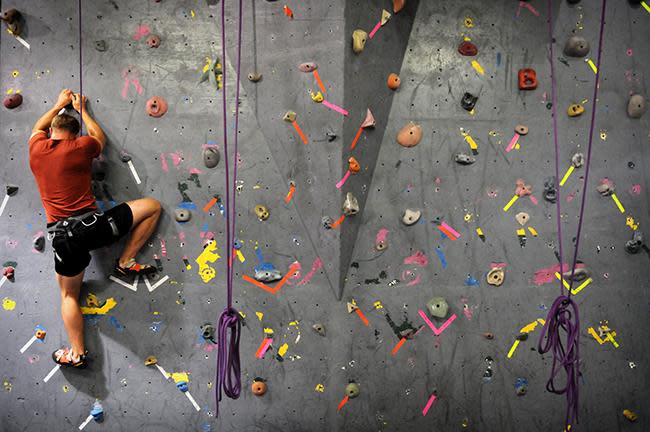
(62,169)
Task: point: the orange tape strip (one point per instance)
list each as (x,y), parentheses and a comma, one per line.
(398,346)
(265,287)
(338,222)
(320,83)
(292,189)
(342,403)
(209,205)
(363,317)
(302,135)
(356,138)
(451,236)
(261,348)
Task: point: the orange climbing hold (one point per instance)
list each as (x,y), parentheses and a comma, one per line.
(288,12)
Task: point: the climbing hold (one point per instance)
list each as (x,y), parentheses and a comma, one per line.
(411,216)
(262,212)
(468,101)
(100,45)
(39,243)
(267,275)
(464,159)
(331,136)
(319,328)
(237,244)
(153,41)
(11,190)
(350,205)
(521,386)
(576,46)
(289,116)
(488,335)
(573,1)
(635,106)
(522,189)
(182,215)
(398,5)
(521,129)
(8,272)
(522,218)
(381,245)
(327,222)
(150,361)
(527,79)
(369,121)
(211,157)
(393,81)
(254,77)
(13,101)
(156,106)
(578,160)
(125,157)
(630,415)
(385,17)
(359,38)
(579,274)
(410,135)
(634,246)
(522,337)
(258,387)
(438,307)
(606,187)
(40,334)
(496,276)
(354,166)
(182,386)
(575,110)
(97,411)
(550,190)
(352,390)
(467,48)
(13,20)
(207,332)
(307,67)
(316,97)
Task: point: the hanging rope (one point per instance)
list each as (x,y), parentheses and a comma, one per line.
(563,315)
(81,88)
(229,328)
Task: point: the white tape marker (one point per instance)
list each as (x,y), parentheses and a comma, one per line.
(22,41)
(52,372)
(133,287)
(85,423)
(162,371)
(28,344)
(134,172)
(4,204)
(189,396)
(3,280)
(156,285)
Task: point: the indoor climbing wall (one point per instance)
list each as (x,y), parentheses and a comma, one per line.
(415,278)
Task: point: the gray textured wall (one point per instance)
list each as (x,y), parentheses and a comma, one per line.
(419,44)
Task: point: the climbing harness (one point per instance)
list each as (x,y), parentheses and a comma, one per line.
(229,327)
(563,315)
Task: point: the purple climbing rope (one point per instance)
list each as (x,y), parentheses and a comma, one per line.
(81,88)
(563,315)
(229,327)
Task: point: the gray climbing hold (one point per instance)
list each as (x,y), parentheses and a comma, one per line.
(606,187)
(207,331)
(327,222)
(182,215)
(267,275)
(100,45)
(308,67)
(464,159)
(350,205)
(579,275)
(319,328)
(331,136)
(211,157)
(550,190)
(39,243)
(289,116)
(636,106)
(11,189)
(578,160)
(125,157)
(634,246)
(411,216)
(576,46)
(438,307)
(352,390)
(254,77)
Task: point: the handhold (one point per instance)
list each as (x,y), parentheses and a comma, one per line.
(578,160)
(331,136)
(521,129)
(464,159)
(468,101)
(39,243)
(576,46)
(352,390)
(97,411)
(316,97)
(307,67)
(354,166)
(606,187)
(11,190)
(100,45)
(40,334)
(635,107)
(350,205)
(207,332)
(254,77)
(156,106)
(211,157)
(327,222)
(550,190)
(398,5)
(359,38)
(125,157)
(521,386)
(522,337)
(262,212)
(488,335)
(150,361)
(411,216)
(496,276)
(385,17)
(381,245)
(410,135)
(153,41)
(319,328)
(13,20)
(438,307)
(630,415)
(8,272)
(579,274)
(258,387)
(270,275)
(182,386)
(522,218)
(351,307)
(289,116)
(467,48)
(522,189)
(575,110)
(634,246)
(369,121)
(182,215)
(527,79)
(393,81)
(13,101)
(237,244)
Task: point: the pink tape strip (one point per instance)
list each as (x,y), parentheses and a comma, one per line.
(343,180)
(513,141)
(450,229)
(336,108)
(436,331)
(267,344)
(372,33)
(531,8)
(534,200)
(428,405)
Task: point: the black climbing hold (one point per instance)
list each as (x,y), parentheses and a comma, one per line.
(468,101)
(100,45)
(207,332)
(39,243)
(125,157)
(11,190)
(630,165)
(13,20)
(464,159)
(634,246)
(550,190)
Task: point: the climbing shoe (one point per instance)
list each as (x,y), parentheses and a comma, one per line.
(63,357)
(132,268)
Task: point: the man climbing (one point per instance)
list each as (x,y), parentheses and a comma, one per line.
(61,165)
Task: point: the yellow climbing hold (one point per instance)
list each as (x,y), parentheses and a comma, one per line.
(8,304)
(469,22)
(283,349)
(106,307)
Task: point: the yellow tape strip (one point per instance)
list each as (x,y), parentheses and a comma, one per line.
(566,176)
(479,231)
(610,338)
(618,203)
(532,231)
(513,348)
(471,142)
(477,66)
(512,201)
(240,256)
(593,66)
(575,290)
(645,6)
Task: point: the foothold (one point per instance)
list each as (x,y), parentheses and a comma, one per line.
(182,215)
(254,77)
(468,49)
(369,121)
(8,272)
(350,205)
(522,218)
(393,81)
(352,390)
(410,135)
(522,337)
(100,45)
(331,136)
(150,361)
(156,106)
(630,415)
(39,243)
(488,336)
(13,20)
(464,159)
(270,275)
(359,38)
(496,276)
(207,332)
(411,216)
(262,212)
(319,328)
(578,160)
(211,157)
(125,157)
(522,189)
(579,275)
(237,244)
(468,101)
(636,106)
(289,116)
(385,17)
(97,411)
(13,101)
(40,334)
(353,165)
(575,110)
(153,41)
(521,386)
(521,129)
(307,67)
(576,46)
(550,190)
(398,5)
(606,187)
(316,97)
(438,307)
(634,246)
(327,222)
(527,79)
(182,386)
(258,387)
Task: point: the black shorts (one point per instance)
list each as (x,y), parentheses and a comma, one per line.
(72,254)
